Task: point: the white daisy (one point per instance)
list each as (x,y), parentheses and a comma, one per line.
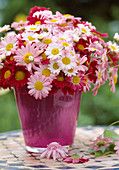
(30,37)
(84,29)
(54,68)
(5,28)
(71,72)
(113,47)
(46,72)
(67,61)
(53,51)
(32,28)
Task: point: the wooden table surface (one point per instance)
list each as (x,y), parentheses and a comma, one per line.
(13,155)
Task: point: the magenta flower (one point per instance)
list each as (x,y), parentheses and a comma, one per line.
(54,150)
(100,142)
(117,147)
(75,159)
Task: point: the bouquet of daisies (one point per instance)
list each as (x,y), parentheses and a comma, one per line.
(50,52)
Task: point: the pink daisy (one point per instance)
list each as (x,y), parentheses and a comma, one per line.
(113,78)
(8,45)
(28,56)
(117,147)
(54,150)
(100,142)
(19,25)
(39,85)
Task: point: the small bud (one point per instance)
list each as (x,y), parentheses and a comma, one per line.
(116,37)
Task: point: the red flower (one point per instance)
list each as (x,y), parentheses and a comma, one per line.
(75,159)
(6,74)
(20,77)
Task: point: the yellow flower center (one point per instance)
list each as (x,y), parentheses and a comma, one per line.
(76,80)
(60,78)
(53,20)
(33,29)
(38,85)
(80,47)
(84,30)
(61,38)
(67,15)
(115,79)
(99,75)
(25,43)
(7,74)
(85,80)
(64,25)
(26,58)
(47,41)
(78,62)
(55,66)
(112,47)
(65,44)
(9,46)
(44,56)
(70,70)
(11,58)
(38,22)
(66,61)
(30,38)
(19,75)
(55,51)
(46,72)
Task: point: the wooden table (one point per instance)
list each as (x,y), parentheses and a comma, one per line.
(13,155)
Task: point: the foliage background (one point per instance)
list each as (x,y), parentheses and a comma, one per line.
(102,109)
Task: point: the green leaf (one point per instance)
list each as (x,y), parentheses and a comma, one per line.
(99,153)
(111,134)
(91,151)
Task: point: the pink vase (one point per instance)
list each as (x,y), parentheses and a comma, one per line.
(52,119)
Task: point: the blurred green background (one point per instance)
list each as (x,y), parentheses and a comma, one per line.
(102,109)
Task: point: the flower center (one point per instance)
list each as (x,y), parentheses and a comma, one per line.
(65,44)
(55,51)
(38,85)
(46,72)
(99,75)
(27,58)
(115,79)
(80,47)
(7,74)
(38,22)
(47,41)
(76,80)
(60,78)
(66,61)
(64,25)
(53,20)
(78,62)
(55,66)
(30,38)
(85,80)
(84,30)
(11,58)
(19,75)
(112,47)
(101,143)
(33,29)
(70,70)
(67,15)
(44,56)
(9,46)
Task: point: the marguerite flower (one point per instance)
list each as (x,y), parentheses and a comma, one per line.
(30,37)
(32,28)
(67,61)
(54,150)
(46,72)
(75,159)
(39,85)
(28,56)
(84,29)
(53,51)
(8,45)
(54,67)
(113,47)
(5,28)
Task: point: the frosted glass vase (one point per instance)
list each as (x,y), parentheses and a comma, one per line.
(52,119)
